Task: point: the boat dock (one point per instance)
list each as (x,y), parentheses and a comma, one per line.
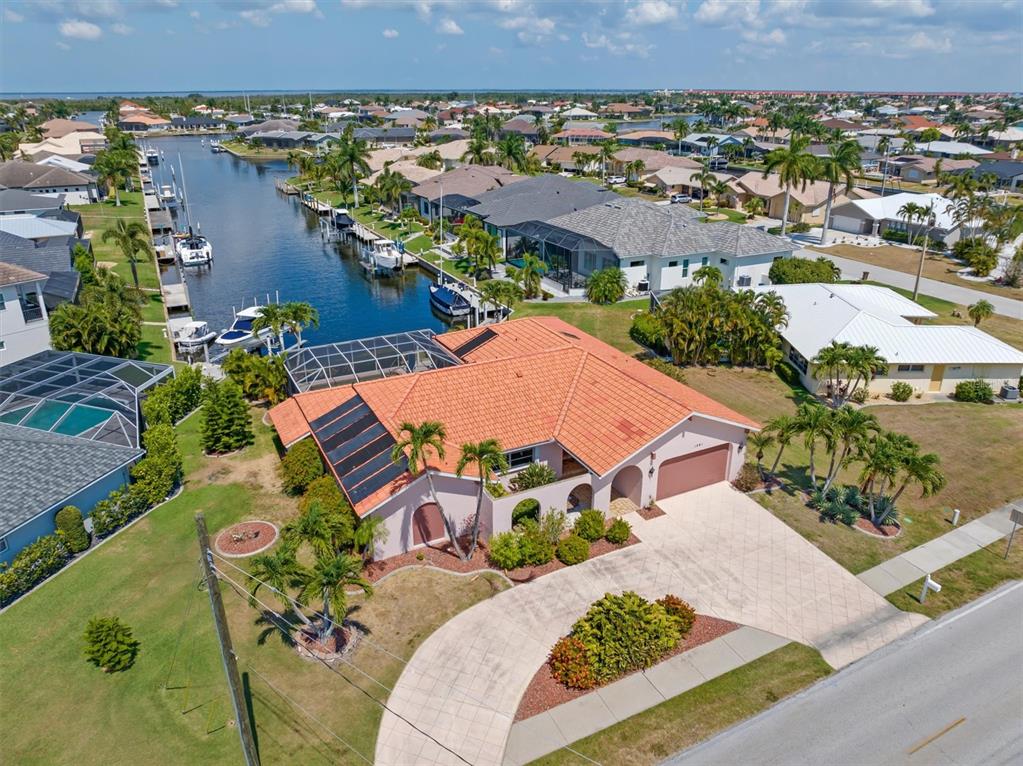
(285,188)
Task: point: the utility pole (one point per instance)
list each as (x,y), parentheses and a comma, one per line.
(234,681)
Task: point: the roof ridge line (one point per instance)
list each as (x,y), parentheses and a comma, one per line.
(570,394)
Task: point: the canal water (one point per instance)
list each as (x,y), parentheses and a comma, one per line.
(267,244)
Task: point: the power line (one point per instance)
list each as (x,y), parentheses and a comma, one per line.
(292,702)
(334,670)
(366,640)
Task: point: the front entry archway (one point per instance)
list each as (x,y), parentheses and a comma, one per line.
(628,483)
(580,498)
(427,524)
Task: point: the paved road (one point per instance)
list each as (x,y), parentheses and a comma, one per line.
(854,270)
(901,704)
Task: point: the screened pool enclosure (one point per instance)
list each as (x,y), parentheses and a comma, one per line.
(570,257)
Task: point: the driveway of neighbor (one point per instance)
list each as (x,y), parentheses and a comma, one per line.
(714,547)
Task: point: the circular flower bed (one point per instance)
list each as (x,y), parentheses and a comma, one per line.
(246,538)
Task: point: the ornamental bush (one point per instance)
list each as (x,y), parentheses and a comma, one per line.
(109,644)
(160,470)
(225,424)
(170,402)
(974,391)
(590,525)
(301,466)
(505,550)
(680,610)
(526,509)
(573,550)
(748,478)
(532,476)
(647,331)
(901,391)
(33,564)
(790,271)
(618,532)
(570,664)
(72,529)
(534,545)
(325,492)
(625,632)
(606,286)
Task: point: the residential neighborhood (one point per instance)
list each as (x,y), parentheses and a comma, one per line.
(546,383)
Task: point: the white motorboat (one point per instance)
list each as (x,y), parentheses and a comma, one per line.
(193,336)
(449,299)
(152,157)
(215,146)
(194,250)
(383,254)
(168,196)
(240,332)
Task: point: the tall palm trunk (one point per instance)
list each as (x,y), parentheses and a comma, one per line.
(785,210)
(134,271)
(473,544)
(327,630)
(835,467)
(813,470)
(827,214)
(777,458)
(452,532)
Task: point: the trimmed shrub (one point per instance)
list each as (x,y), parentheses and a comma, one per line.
(496,489)
(505,550)
(625,632)
(532,476)
(894,235)
(32,565)
(647,331)
(748,478)
(526,509)
(325,493)
(534,545)
(109,644)
(570,664)
(301,466)
(225,425)
(974,391)
(573,550)
(901,391)
(791,271)
(553,525)
(606,286)
(170,402)
(160,470)
(680,610)
(71,528)
(590,525)
(618,532)
(673,371)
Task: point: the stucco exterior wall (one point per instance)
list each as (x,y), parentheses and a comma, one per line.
(20,338)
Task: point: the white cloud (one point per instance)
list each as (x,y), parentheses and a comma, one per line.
(921,41)
(530,29)
(121,29)
(194,14)
(255,17)
(727,12)
(63,45)
(390,34)
(12,17)
(649,12)
(98,9)
(915,8)
(259,16)
(774,37)
(295,6)
(493,50)
(621,44)
(449,26)
(80,30)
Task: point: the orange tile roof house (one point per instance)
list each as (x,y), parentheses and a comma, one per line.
(608,425)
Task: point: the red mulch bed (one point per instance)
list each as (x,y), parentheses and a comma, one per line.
(545,692)
(864,525)
(652,511)
(254,536)
(336,645)
(442,555)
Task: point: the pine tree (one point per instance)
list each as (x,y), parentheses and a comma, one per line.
(109,644)
(226,425)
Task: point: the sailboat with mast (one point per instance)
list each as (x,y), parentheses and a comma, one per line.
(193,249)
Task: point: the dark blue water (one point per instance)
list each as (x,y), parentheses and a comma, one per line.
(265,243)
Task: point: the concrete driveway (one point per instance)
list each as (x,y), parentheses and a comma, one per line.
(715,547)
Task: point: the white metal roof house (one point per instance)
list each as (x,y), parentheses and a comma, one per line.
(932,358)
(873,216)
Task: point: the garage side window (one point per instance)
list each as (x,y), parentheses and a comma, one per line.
(519,458)
(798,360)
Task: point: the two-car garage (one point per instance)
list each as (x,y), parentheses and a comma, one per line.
(692,471)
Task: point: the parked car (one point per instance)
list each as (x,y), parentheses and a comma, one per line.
(616,180)
(678,198)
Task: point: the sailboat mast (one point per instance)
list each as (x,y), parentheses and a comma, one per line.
(184,193)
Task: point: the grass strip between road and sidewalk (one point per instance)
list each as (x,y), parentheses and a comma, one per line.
(683,721)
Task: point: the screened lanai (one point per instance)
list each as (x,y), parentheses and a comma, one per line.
(570,257)
(353,361)
(75,394)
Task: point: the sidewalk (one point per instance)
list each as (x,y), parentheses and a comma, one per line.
(549,731)
(912,565)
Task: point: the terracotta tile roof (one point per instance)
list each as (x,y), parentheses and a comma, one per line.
(533,380)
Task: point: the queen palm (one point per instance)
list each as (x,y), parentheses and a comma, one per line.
(486,252)
(864,362)
(760,441)
(922,470)
(852,426)
(839,165)
(274,317)
(754,206)
(313,527)
(607,154)
(415,444)
(909,212)
(110,168)
(582,161)
(705,178)
(795,167)
(511,152)
(390,186)
(328,581)
(814,424)
(487,458)
(431,160)
(531,274)
(298,315)
(681,129)
(353,156)
(477,152)
(635,169)
(882,457)
(279,571)
(783,428)
(131,239)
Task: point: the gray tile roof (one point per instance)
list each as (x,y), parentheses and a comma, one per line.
(10,274)
(42,470)
(51,254)
(18,174)
(538,199)
(19,199)
(634,228)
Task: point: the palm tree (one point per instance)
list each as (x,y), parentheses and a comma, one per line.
(9,145)
(922,470)
(416,444)
(881,456)
(371,530)
(840,164)
(705,178)
(274,316)
(760,441)
(814,423)
(279,571)
(353,158)
(634,169)
(754,206)
(531,274)
(783,428)
(909,212)
(795,166)
(431,160)
(865,362)
(607,154)
(131,238)
(833,359)
(852,426)
(110,169)
(486,456)
(329,580)
(486,252)
(980,311)
(708,276)
(390,186)
(298,315)
(511,152)
(313,527)
(681,129)
(582,161)
(477,152)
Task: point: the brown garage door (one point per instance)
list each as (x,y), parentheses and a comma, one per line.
(697,469)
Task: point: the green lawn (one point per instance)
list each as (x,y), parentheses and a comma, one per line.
(172,706)
(99,216)
(609,323)
(152,309)
(683,721)
(965,580)
(154,346)
(735,216)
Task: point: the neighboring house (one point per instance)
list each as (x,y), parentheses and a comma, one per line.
(73,145)
(49,256)
(408,169)
(565,157)
(197,123)
(932,358)
(649,138)
(608,426)
(581,136)
(873,216)
(58,128)
(708,144)
(76,188)
(141,122)
(521,126)
(57,161)
(683,180)
(950,149)
(69,434)
(1009,173)
(918,168)
(21,202)
(452,192)
(443,135)
(578,113)
(626,111)
(24,326)
(659,247)
(806,203)
(653,160)
(267,126)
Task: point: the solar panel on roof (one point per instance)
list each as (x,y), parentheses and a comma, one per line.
(390,472)
(334,414)
(342,451)
(381,443)
(350,431)
(474,343)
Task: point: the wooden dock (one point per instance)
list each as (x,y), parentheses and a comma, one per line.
(285,188)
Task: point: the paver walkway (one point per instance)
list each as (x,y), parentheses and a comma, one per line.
(853,269)
(586,715)
(716,548)
(901,570)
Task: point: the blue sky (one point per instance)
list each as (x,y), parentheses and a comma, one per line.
(169,45)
